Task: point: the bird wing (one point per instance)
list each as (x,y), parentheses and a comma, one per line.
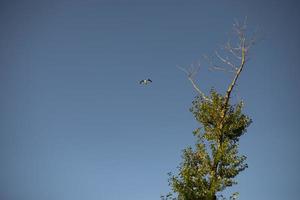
(149,80)
(142,81)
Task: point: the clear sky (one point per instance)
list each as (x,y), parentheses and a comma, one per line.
(75,124)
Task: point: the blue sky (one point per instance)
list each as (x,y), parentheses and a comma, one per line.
(75,124)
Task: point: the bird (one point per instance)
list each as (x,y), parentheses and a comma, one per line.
(146,81)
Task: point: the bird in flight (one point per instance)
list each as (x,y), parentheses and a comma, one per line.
(145,81)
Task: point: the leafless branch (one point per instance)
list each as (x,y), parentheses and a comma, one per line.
(234,57)
(243,55)
(232,60)
(191,72)
(225,60)
(212,66)
(217,68)
(233,51)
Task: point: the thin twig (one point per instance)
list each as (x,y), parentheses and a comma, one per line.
(232,50)
(231,86)
(226,61)
(190,73)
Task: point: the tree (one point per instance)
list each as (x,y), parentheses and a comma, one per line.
(214,162)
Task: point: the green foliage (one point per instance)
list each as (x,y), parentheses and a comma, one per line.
(214,163)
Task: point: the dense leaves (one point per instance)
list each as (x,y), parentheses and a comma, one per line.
(213,164)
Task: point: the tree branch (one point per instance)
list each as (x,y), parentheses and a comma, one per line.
(238,72)
(241,52)
(226,61)
(232,50)
(190,73)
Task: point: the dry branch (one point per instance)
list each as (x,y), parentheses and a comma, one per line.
(234,62)
(190,74)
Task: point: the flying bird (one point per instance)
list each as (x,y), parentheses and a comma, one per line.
(145,81)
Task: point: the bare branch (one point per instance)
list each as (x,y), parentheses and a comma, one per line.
(233,83)
(225,60)
(212,66)
(240,28)
(233,51)
(215,67)
(232,60)
(184,70)
(190,74)
(198,90)
(240,51)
